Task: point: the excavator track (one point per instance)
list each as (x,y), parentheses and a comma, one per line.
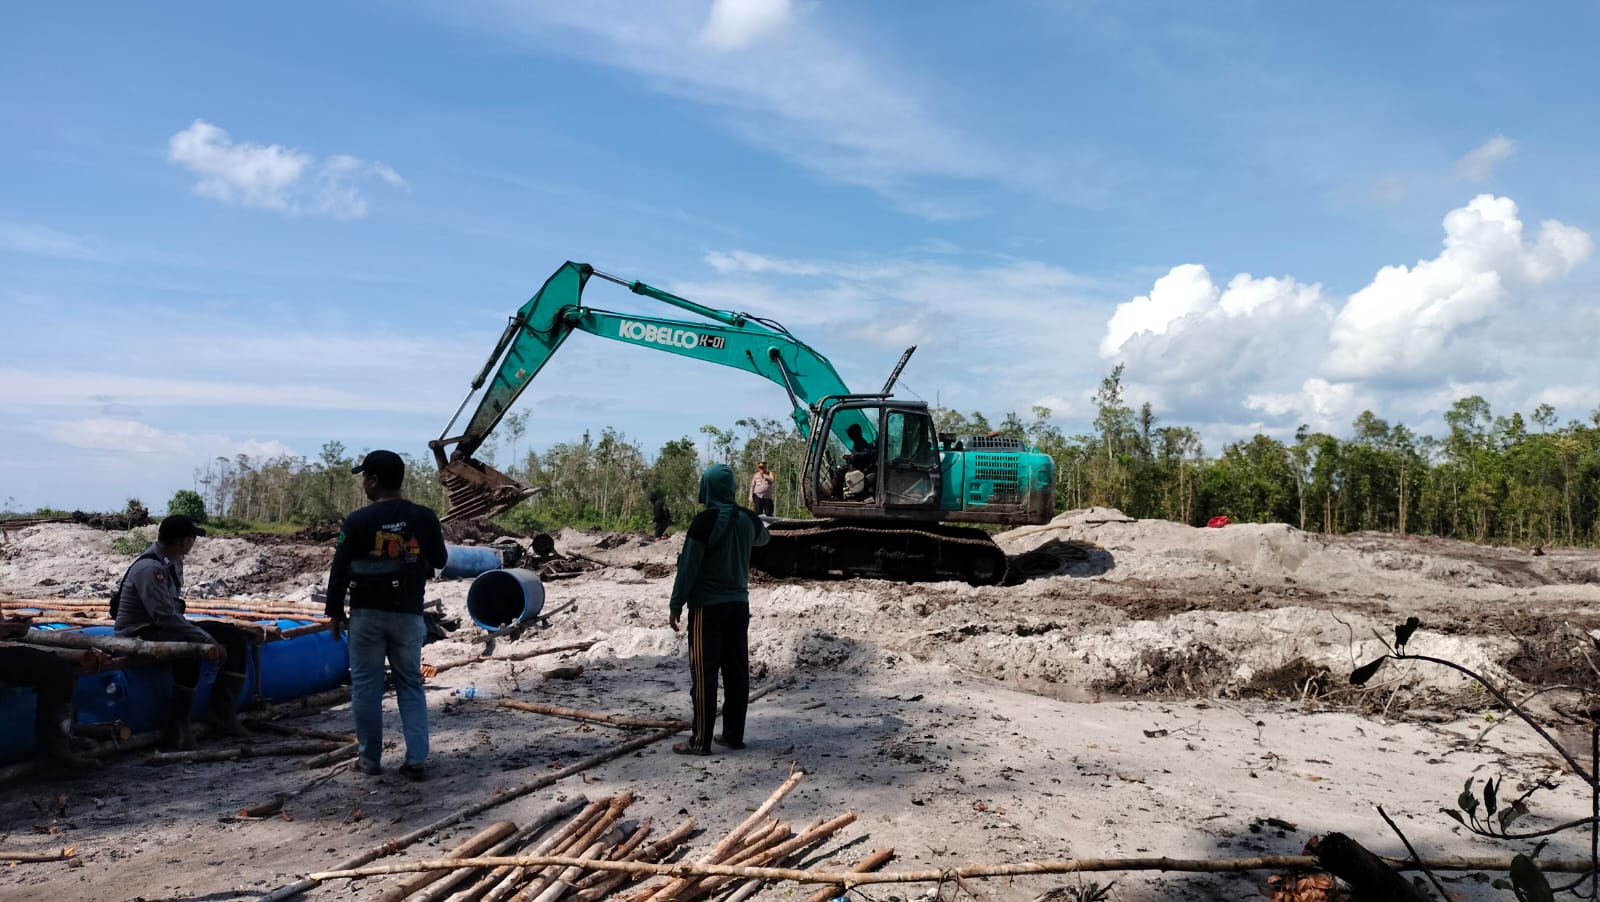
(834,549)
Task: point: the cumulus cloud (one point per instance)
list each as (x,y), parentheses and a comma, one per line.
(1406,345)
(1479,163)
(1188,331)
(738,23)
(1404,324)
(273,177)
(134,437)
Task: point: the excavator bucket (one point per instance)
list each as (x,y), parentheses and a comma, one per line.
(478,491)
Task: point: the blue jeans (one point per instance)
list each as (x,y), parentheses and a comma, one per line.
(376,636)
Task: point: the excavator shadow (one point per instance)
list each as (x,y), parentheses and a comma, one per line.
(1059,557)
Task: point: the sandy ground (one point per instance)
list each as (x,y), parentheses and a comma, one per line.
(1166,691)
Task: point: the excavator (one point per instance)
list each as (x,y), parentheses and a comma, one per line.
(884,485)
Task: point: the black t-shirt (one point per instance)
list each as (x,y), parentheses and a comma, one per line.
(386,552)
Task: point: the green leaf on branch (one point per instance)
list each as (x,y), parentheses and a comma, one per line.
(1403,631)
(1455,814)
(1364,673)
(1527,880)
(1489,789)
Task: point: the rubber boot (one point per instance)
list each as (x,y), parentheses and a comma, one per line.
(177,735)
(221,711)
(52,742)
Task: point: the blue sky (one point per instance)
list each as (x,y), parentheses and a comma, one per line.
(230,229)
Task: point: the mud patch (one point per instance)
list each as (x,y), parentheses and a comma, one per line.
(1170,673)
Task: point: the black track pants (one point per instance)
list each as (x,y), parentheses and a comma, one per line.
(719,643)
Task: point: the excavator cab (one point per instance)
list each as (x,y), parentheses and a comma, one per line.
(885,466)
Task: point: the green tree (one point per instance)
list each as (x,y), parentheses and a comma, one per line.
(188,503)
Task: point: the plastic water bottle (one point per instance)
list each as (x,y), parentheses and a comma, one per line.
(472,692)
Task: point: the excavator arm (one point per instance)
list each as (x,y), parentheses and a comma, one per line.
(737,340)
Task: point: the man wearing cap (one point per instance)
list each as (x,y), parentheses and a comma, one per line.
(761,490)
(386,553)
(150,607)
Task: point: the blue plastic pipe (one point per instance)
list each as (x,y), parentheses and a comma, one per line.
(500,598)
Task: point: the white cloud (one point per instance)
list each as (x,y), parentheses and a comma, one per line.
(809,95)
(734,24)
(1479,163)
(273,177)
(1406,323)
(1324,406)
(128,436)
(39,241)
(1194,336)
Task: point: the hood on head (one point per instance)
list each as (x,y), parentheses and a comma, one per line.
(717,486)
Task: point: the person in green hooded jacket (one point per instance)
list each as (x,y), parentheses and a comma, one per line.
(713,582)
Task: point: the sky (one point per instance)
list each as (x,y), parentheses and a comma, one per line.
(235,229)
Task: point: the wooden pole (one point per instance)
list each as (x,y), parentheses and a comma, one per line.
(779,854)
(733,840)
(120,645)
(620,720)
(595,890)
(63,855)
(510,878)
(111,729)
(936,875)
(479,876)
(516,656)
(585,840)
(307,747)
(872,862)
(306,704)
(483,839)
(500,798)
(303,732)
(334,757)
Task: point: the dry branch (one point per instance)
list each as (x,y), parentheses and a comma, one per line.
(306,704)
(303,732)
(109,730)
(499,798)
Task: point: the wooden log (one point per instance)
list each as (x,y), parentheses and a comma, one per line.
(615,806)
(609,881)
(942,875)
(493,878)
(777,855)
(483,839)
(732,841)
(295,632)
(281,800)
(1370,877)
(341,753)
(281,729)
(121,645)
(561,883)
(620,720)
(307,747)
(478,876)
(499,798)
(515,656)
(110,729)
(877,859)
(554,845)
(622,852)
(306,704)
(63,855)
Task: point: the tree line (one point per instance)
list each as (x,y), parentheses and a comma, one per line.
(1488,479)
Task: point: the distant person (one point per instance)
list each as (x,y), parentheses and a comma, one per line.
(713,582)
(761,490)
(150,607)
(659,513)
(386,553)
(54,685)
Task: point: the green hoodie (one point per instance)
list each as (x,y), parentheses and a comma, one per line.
(714,566)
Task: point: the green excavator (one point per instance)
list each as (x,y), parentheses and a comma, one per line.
(883,484)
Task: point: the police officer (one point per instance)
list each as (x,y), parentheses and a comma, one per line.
(150,607)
